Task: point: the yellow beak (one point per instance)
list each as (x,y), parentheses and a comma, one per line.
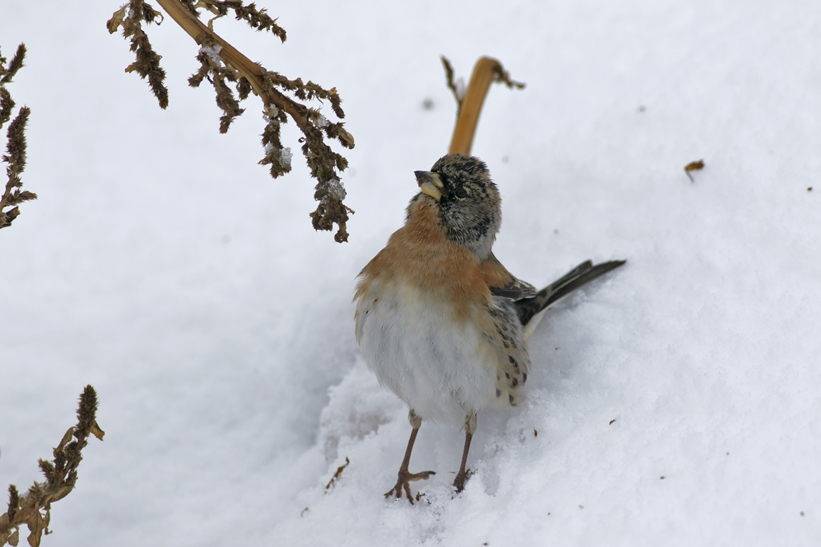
(429,183)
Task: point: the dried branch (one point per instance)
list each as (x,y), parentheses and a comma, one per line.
(258,19)
(15,155)
(8,72)
(230,71)
(6,106)
(147,65)
(212,67)
(457,88)
(469,103)
(34,508)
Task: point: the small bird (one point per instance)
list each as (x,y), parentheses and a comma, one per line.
(439,319)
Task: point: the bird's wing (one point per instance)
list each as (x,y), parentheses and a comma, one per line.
(503,283)
(578,277)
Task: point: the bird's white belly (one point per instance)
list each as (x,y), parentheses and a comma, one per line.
(442,369)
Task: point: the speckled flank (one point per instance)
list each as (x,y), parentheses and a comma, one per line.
(514,361)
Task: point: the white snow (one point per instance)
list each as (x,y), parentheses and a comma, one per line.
(213,52)
(321,121)
(335,189)
(285,157)
(219,332)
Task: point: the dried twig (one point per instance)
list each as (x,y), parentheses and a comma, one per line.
(15,155)
(34,508)
(229,70)
(456,87)
(693,166)
(469,103)
(147,65)
(338,474)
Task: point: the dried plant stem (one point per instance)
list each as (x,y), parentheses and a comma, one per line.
(15,155)
(485,72)
(33,508)
(251,71)
(224,66)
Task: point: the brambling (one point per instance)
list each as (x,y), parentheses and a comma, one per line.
(439,319)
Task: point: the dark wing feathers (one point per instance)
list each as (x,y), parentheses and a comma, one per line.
(516,290)
(503,283)
(581,275)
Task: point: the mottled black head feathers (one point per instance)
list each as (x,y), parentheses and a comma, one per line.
(470,205)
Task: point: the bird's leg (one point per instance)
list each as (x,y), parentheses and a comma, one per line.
(405,477)
(464,474)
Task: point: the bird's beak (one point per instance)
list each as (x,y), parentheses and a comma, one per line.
(429,183)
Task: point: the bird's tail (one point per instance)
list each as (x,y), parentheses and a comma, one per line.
(581,275)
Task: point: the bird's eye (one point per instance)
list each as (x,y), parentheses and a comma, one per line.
(461,193)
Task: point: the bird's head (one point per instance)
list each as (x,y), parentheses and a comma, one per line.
(470,208)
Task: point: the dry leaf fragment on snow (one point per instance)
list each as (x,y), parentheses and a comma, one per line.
(693,166)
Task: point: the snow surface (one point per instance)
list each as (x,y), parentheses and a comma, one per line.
(162,265)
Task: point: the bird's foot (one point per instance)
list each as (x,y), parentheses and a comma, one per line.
(461,478)
(403,483)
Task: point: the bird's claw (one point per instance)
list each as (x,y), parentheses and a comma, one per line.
(403,483)
(461,478)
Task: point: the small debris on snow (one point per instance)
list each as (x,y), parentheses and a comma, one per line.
(693,166)
(338,474)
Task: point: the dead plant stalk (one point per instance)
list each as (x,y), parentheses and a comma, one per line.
(247,68)
(485,72)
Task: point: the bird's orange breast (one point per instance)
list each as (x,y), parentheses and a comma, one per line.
(420,256)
